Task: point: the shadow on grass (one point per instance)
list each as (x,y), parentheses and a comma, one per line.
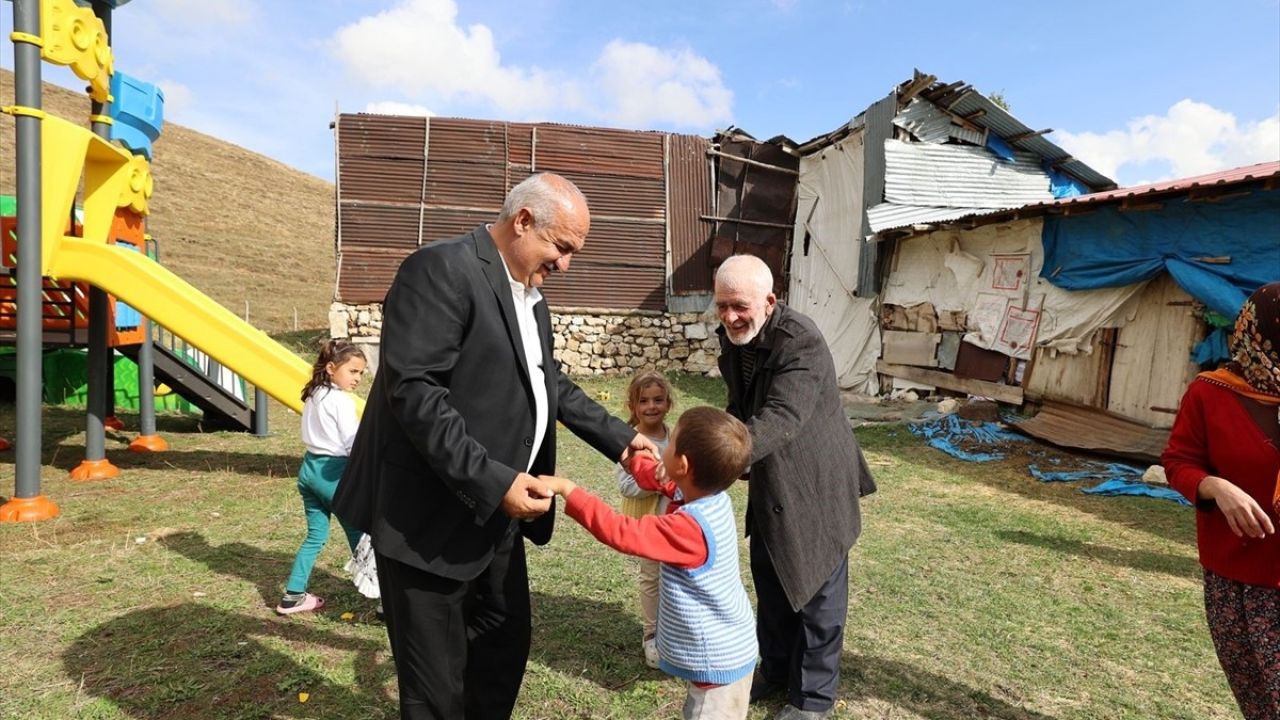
(1010,474)
(266,570)
(196,661)
(923,693)
(1175,565)
(598,642)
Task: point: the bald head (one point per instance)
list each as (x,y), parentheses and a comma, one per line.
(744,297)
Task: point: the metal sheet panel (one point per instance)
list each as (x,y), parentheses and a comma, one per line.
(999,121)
(890,216)
(689,198)
(924,121)
(1073,426)
(444,223)
(598,285)
(366,273)
(453,183)
(598,151)
(386,136)
(378,225)
(961,176)
(380,179)
(627,244)
(614,196)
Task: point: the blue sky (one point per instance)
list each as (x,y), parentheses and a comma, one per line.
(1143,90)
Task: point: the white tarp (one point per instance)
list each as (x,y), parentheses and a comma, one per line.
(992,272)
(824,262)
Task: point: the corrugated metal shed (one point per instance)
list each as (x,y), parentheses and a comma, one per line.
(960,176)
(403,182)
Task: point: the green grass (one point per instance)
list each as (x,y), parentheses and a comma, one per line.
(976,592)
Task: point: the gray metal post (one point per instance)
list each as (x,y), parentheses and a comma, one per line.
(148,440)
(259,412)
(95,465)
(147,370)
(27,503)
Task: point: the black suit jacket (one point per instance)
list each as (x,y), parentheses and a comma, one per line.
(807,471)
(450,417)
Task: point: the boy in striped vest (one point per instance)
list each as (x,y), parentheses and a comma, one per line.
(706,630)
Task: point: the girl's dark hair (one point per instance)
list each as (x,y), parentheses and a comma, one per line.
(643,380)
(337,351)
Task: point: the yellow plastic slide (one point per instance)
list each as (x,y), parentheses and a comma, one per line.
(170,301)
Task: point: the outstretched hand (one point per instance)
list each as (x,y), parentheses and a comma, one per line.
(528,497)
(640,443)
(558,485)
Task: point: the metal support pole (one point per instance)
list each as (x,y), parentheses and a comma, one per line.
(259,412)
(27,504)
(148,440)
(95,465)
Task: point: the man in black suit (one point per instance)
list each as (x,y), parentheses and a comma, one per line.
(807,474)
(460,421)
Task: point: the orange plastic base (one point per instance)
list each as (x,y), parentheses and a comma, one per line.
(31,509)
(4,444)
(148,443)
(113,422)
(95,470)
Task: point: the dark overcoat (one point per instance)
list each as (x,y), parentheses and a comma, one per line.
(807,471)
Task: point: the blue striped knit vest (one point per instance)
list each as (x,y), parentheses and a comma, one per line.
(706,630)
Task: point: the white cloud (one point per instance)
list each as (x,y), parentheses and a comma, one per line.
(418,50)
(391,107)
(203,14)
(643,85)
(1192,138)
(178,99)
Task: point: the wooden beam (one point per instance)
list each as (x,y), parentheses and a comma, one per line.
(1002,393)
(753,163)
(740,221)
(1027,135)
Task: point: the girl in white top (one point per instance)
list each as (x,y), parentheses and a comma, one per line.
(649,399)
(329,422)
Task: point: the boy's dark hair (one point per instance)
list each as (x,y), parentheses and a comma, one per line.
(337,351)
(716,444)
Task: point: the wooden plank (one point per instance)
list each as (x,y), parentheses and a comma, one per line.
(1003,393)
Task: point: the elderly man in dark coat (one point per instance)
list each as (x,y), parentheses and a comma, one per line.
(807,474)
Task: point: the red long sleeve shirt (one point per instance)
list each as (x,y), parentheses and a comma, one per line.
(674,538)
(1214,435)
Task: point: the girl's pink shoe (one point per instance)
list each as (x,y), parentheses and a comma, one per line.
(310,603)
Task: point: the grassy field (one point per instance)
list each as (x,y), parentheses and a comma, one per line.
(976,593)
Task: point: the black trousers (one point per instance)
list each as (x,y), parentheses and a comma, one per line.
(460,647)
(800,649)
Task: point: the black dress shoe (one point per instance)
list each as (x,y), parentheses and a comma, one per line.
(763,689)
(791,712)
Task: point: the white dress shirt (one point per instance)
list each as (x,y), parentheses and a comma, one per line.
(525,298)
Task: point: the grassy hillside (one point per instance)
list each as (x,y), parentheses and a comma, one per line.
(239,226)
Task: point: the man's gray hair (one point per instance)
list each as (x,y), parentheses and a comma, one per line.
(544,195)
(746,270)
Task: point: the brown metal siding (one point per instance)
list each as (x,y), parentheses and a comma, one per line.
(470,165)
(689,198)
(366,273)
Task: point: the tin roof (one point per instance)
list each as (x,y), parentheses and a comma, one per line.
(1219,182)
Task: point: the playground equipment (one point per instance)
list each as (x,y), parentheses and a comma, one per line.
(53,157)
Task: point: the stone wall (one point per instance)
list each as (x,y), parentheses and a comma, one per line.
(588,341)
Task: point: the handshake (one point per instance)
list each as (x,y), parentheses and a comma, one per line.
(529,496)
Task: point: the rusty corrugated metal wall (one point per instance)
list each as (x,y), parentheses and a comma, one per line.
(408,181)
(689,197)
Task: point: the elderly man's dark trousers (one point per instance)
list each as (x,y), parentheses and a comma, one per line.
(460,647)
(800,650)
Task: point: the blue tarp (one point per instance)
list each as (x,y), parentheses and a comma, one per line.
(948,432)
(1112,248)
(1118,479)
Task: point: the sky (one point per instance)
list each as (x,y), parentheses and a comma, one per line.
(1142,90)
